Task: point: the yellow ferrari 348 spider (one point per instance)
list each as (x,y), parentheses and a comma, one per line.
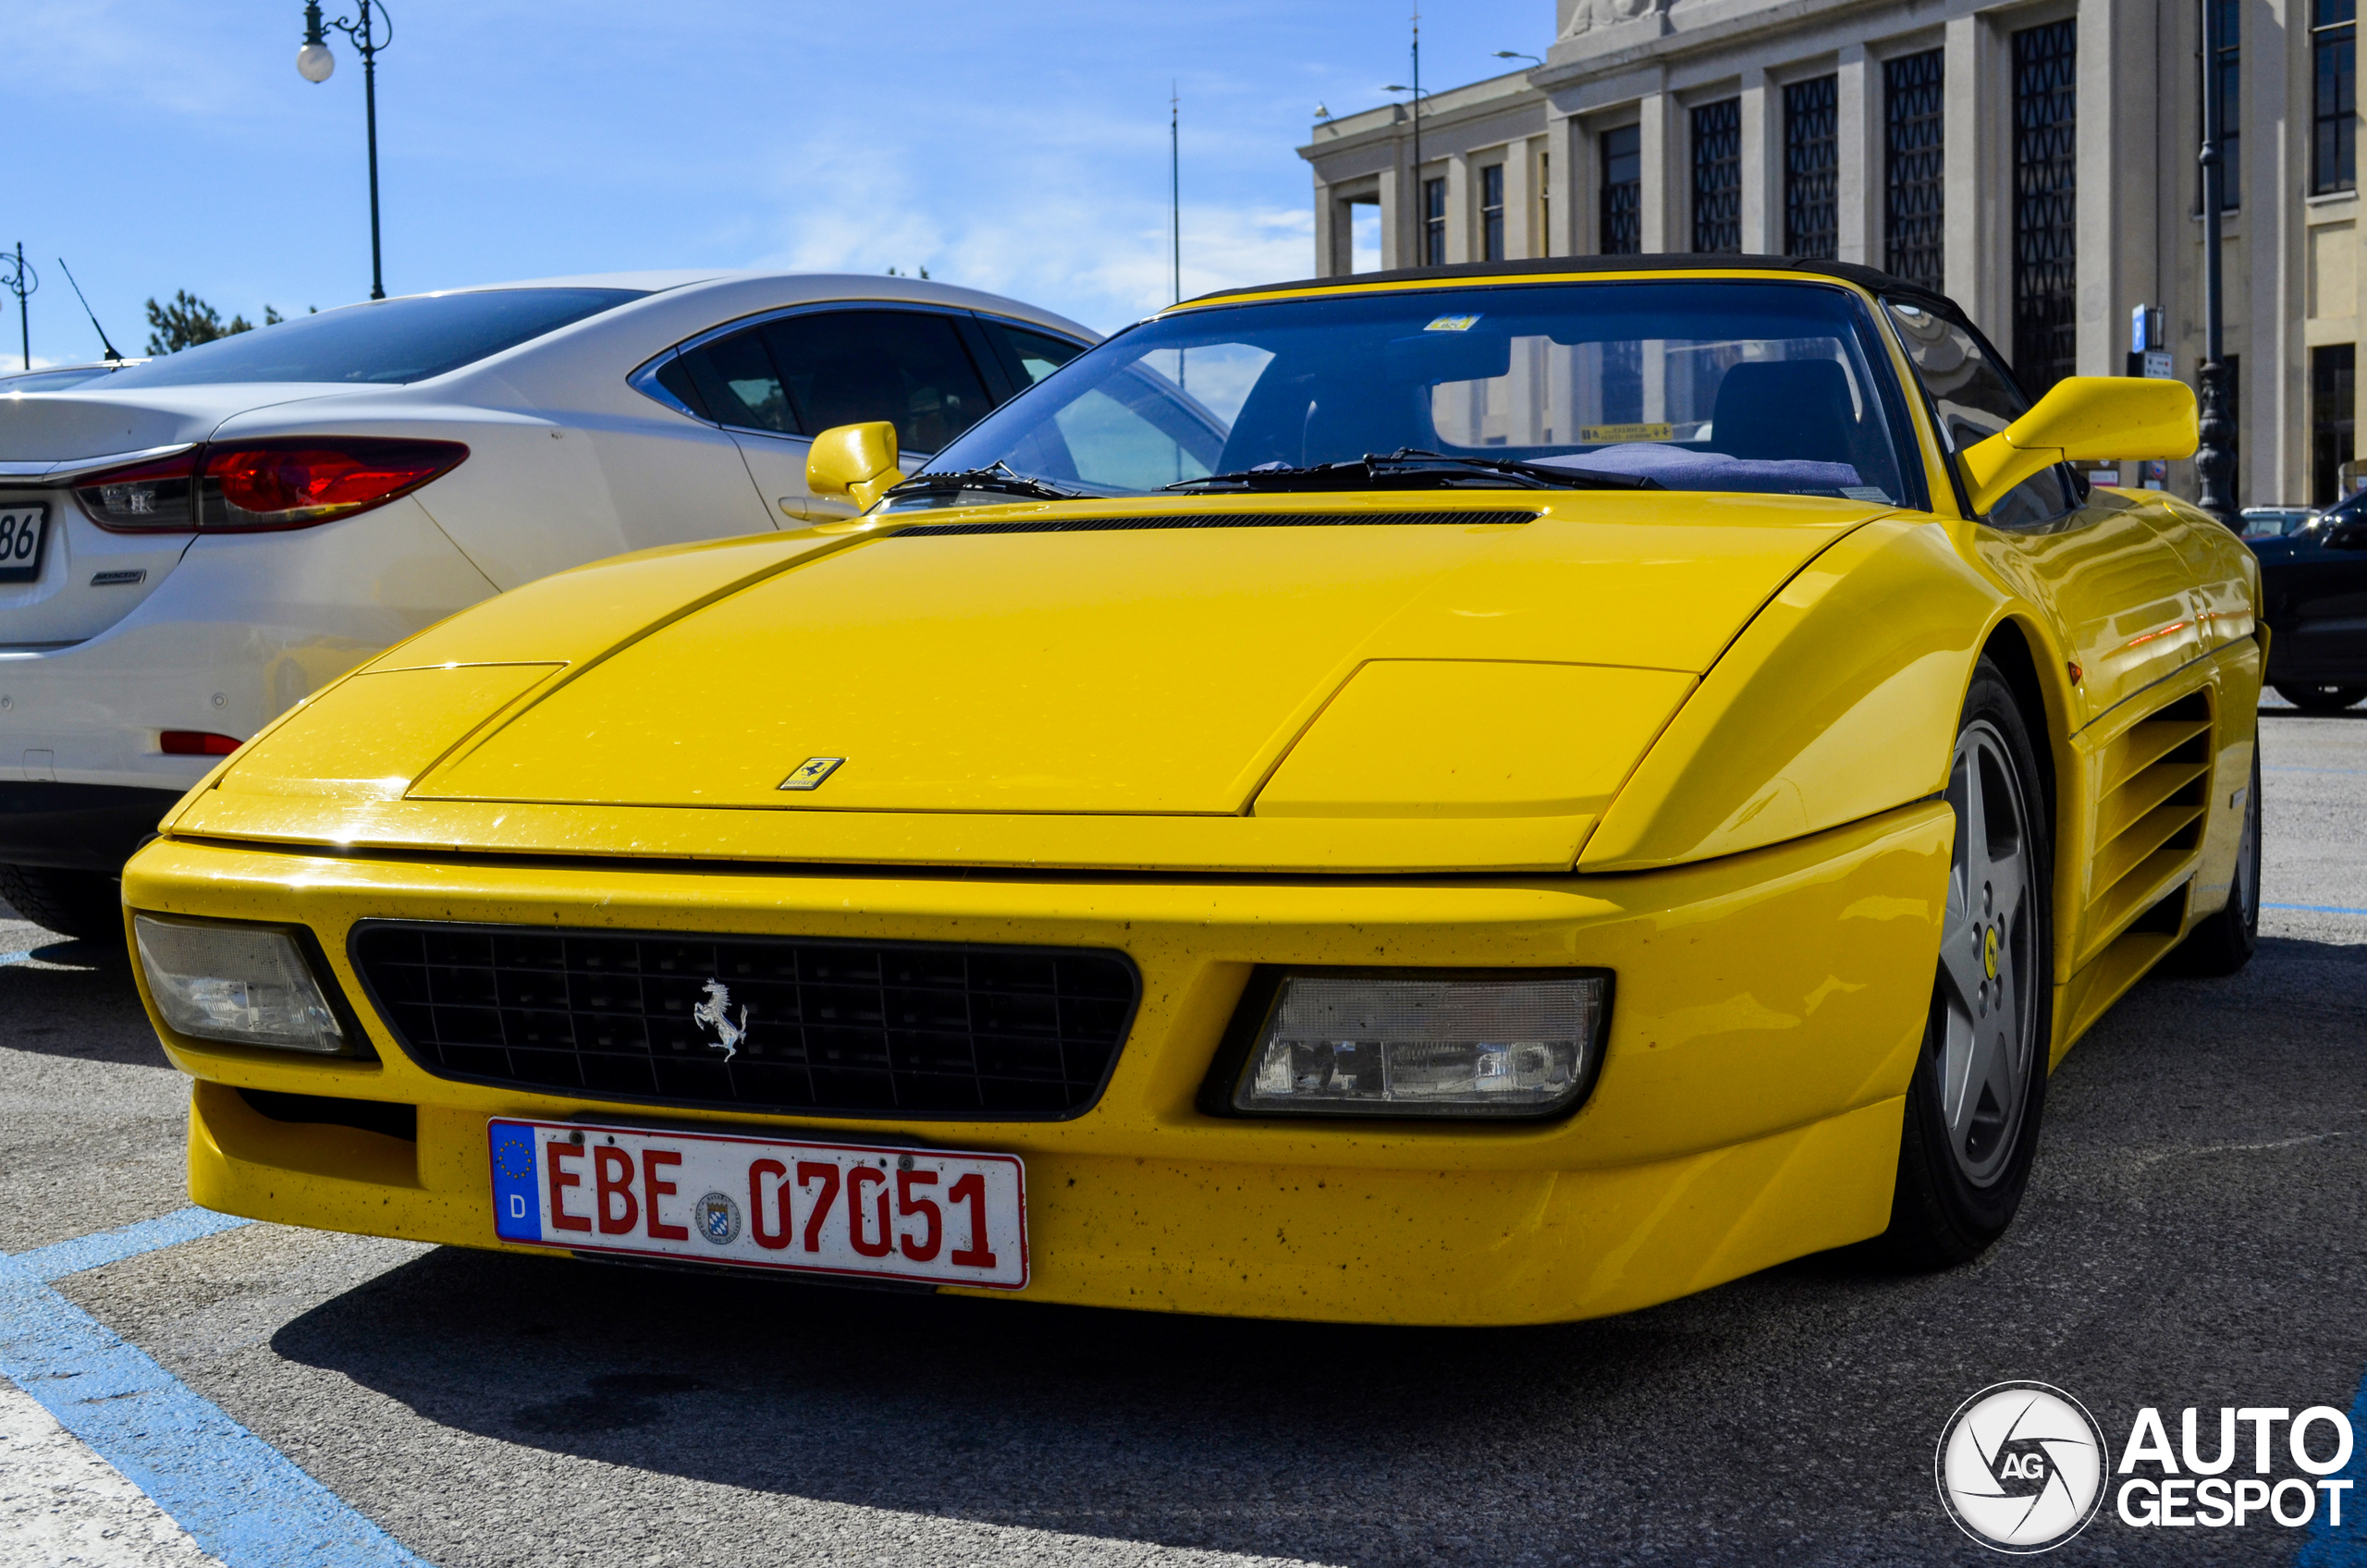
(1481,795)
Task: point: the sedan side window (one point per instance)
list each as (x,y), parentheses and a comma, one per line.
(1975,402)
(907,367)
(737,384)
(1037,354)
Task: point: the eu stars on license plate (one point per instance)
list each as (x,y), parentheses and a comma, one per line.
(930,1216)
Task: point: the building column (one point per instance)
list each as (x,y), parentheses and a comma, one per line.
(1761,172)
(1971,214)
(2099,327)
(1662,208)
(1520,201)
(1859,142)
(1577,170)
(1394,251)
(2272,439)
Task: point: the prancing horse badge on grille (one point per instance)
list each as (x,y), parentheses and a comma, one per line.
(811,772)
(716,1013)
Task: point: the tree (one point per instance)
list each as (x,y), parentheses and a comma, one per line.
(188,321)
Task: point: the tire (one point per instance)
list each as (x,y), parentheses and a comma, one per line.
(2320,699)
(2222,943)
(1978,1090)
(86,905)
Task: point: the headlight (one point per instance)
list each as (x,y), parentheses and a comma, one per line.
(246,984)
(1349,1044)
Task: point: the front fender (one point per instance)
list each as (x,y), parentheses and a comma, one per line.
(1838,701)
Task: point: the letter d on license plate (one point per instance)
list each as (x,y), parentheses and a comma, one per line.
(930,1216)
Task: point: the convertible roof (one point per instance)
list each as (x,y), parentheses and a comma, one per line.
(1871,278)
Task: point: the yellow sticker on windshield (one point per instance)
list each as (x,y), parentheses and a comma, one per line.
(1593,432)
(1453,324)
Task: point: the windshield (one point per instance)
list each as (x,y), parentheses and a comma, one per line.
(1696,385)
(386,341)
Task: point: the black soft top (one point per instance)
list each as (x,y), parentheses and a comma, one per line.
(1873,280)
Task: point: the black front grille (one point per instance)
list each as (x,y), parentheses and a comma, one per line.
(909,1029)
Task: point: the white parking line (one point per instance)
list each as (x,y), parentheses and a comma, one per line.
(62,1506)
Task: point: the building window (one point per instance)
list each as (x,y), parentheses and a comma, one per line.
(1811,169)
(1914,148)
(1543,243)
(2221,58)
(1491,213)
(2333,394)
(1623,190)
(2235,363)
(1717,175)
(2045,216)
(1434,223)
(2334,49)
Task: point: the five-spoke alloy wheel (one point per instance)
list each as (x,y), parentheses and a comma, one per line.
(1973,1106)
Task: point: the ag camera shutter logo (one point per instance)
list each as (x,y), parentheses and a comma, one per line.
(2021,1467)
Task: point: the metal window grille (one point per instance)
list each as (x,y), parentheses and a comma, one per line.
(1623,190)
(2333,412)
(2045,201)
(1717,176)
(1914,165)
(1812,168)
(1491,213)
(2333,49)
(2220,67)
(1434,223)
(1543,244)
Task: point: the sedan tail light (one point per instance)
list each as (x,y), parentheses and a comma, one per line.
(292,482)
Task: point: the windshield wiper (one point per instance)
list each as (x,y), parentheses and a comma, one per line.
(999,477)
(1410,467)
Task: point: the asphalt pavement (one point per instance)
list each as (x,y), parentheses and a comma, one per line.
(2193,1236)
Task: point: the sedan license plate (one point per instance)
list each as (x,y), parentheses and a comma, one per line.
(931,1216)
(23,532)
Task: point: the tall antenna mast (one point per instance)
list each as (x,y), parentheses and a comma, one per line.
(102,331)
(1175,190)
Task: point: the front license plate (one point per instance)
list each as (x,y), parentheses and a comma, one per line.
(931,1216)
(23,531)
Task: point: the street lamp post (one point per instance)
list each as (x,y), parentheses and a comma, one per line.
(17,277)
(313,63)
(2213,461)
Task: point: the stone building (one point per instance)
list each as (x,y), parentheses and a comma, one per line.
(2037,161)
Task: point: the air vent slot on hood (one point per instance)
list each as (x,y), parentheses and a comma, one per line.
(1216,520)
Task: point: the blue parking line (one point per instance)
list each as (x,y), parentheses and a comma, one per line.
(2318,909)
(237,1497)
(8,959)
(112,1246)
(2344,1547)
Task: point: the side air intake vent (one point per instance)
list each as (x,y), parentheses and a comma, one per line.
(2150,813)
(1217,519)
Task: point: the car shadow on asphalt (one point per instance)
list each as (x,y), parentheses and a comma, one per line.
(1376,1445)
(72,998)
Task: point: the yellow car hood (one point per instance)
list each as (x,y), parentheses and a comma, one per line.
(1006,663)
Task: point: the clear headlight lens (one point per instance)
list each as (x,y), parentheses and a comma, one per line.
(247,983)
(1400,1045)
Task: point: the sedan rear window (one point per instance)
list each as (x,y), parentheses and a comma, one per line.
(385,342)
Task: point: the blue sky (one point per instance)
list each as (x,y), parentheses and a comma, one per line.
(1018,147)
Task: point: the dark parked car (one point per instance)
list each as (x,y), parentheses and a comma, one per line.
(2314,586)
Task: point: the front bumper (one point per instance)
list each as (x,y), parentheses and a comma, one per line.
(1768,1013)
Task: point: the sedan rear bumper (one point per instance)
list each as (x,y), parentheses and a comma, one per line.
(77,827)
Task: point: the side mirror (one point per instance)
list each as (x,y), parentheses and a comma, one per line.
(855,460)
(2084,419)
(2351,536)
